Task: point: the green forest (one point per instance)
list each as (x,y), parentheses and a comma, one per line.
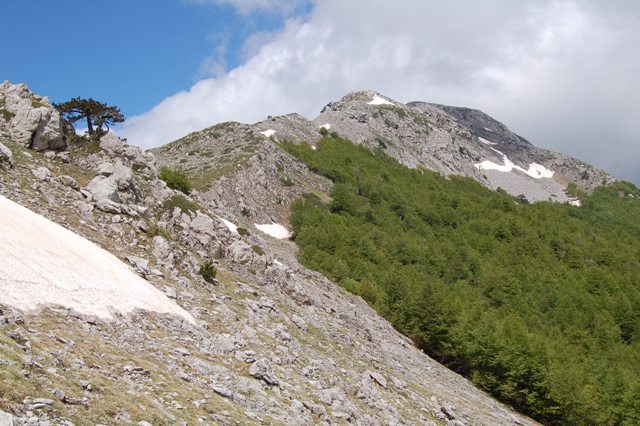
(537,303)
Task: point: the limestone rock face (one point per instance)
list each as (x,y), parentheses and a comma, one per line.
(34,122)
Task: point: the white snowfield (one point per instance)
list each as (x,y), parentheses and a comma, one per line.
(325,126)
(535,170)
(230,225)
(44,264)
(268,133)
(377,100)
(275,230)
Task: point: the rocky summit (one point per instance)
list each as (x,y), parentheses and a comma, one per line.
(262,339)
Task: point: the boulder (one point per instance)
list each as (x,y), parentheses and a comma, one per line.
(261,369)
(104,188)
(161,249)
(111,143)
(106,169)
(203,223)
(41,173)
(35,123)
(122,175)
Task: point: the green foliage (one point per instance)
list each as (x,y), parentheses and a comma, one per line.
(96,114)
(537,303)
(324,131)
(185,205)
(242,231)
(257,250)
(155,229)
(176,179)
(208,271)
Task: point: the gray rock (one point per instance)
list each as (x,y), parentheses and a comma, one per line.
(161,248)
(43,401)
(203,223)
(122,175)
(42,173)
(400,384)
(104,188)
(35,122)
(299,322)
(58,393)
(261,369)
(109,206)
(69,182)
(223,391)
(378,378)
(447,410)
(240,252)
(111,143)
(140,265)
(106,169)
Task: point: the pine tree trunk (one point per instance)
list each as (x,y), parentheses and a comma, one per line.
(89,126)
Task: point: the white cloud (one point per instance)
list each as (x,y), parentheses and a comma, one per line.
(563,74)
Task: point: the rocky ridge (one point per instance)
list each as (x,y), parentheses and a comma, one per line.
(449,140)
(274,342)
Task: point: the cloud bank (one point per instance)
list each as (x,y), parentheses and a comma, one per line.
(562,74)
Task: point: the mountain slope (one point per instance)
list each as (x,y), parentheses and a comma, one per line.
(273,343)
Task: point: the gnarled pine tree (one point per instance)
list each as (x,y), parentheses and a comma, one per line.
(97,114)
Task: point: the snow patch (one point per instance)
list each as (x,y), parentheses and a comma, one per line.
(486,142)
(377,100)
(277,262)
(488,129)
(230,225)
(275,230)
(575,202)
(268,133)
(46,264)
(325,126)
(535,170)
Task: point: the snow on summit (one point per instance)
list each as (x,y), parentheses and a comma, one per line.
(45,264)
(377,100)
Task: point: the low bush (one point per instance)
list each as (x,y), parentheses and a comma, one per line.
(176,179)
(208,271)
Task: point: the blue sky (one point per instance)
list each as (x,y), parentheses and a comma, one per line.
(129,53)
(565,74)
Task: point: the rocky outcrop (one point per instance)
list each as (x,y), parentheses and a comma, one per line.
(32,120)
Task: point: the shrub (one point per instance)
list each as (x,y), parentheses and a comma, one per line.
(208,271)
(242,231)
(176,179)
(257,250)
(323,131)
(181,202)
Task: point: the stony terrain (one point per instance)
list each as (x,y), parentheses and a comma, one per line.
(273,343)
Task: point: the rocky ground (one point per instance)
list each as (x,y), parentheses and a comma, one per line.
(274,343)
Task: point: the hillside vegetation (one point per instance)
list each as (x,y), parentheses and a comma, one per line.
(538,303)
